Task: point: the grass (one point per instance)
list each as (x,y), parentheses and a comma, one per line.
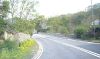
(10,49)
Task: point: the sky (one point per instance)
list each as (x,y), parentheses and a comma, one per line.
(51,8)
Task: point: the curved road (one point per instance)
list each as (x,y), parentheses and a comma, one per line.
(65,48)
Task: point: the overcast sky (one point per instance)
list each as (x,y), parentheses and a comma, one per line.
(58,7)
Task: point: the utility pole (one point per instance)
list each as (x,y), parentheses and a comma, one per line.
(92,18)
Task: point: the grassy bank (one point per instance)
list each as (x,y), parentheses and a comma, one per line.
(13,50)
(93,40)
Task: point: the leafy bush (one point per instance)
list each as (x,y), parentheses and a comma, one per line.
(25,26)
(26,44)
(9,45)
(64,30)
(2,25)
(17,52)
(94,32)
(79,32)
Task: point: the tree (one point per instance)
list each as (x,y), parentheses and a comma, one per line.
(5,8)
(78,18)
(39,21)
(2,25)
(96,10)
(25,26)
(13,7)
(59,24)
(22,12)
(22,8)
(27,8)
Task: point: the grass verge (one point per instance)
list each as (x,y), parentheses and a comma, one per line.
(12,50)
(93,40)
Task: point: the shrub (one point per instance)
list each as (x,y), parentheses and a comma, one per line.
(10,50)
(64,30)
(94,32)
(79,32)
(9,44)
(27,44)
(25,26)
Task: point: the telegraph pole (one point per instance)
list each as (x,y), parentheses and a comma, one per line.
(92,18)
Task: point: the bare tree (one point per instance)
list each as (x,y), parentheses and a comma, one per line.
(13,7)
(22,8)
(27,8)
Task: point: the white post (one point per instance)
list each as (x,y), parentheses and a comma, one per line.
(5,35)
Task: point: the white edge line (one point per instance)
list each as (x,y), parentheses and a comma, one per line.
(39,52)
(83,41)
(79,41)
(79,48)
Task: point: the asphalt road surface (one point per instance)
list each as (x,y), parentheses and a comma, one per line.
(55,47)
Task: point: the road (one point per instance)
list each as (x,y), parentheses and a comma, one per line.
(55,47)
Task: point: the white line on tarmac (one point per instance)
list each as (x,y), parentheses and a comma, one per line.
(40,51)
(84,41)
(79,48)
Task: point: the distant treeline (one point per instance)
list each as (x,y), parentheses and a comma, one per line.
(80,23)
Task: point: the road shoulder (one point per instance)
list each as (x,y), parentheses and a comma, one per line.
(39,52)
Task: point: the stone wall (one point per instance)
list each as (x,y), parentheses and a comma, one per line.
(21,36)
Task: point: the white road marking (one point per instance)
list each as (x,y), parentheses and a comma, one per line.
(79,48)
(71,39)
(40,51)
(73,46)
(83,41)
